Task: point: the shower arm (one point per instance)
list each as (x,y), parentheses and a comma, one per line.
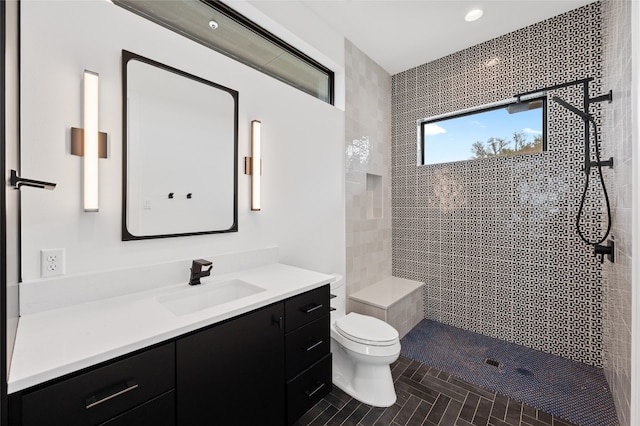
(585,115)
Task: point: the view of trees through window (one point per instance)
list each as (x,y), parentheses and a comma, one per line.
(498,131)
(519,143)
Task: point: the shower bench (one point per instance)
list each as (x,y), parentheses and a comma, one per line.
(397,301)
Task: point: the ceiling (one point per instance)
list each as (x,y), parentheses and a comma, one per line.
(402,34)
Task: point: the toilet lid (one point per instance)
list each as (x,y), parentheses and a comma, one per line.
(367,330)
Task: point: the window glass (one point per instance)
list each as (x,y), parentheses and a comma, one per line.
(498,131)
(221,28)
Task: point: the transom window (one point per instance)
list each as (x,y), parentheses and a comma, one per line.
(219,27)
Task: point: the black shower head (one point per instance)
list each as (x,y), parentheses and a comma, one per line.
(518,107)
(521,106)
(585,116)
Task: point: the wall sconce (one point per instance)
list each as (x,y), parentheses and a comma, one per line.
(253,165)
(89,142)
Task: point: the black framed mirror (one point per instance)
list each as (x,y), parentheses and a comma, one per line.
(180,152)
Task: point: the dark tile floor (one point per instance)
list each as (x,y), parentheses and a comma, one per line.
(427,396)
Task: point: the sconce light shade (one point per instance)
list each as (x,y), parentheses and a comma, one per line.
(253,164)
(90,141)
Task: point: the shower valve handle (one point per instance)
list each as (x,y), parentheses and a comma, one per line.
(600,250)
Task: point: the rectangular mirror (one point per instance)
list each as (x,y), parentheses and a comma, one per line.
(180,156)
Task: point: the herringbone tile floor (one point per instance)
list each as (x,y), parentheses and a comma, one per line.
(428,396)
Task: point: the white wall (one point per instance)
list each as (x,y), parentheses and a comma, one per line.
(303,190)
(11,162)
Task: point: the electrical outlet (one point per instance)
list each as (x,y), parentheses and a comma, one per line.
(51,262)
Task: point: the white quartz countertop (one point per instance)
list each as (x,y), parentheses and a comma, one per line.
(53,343)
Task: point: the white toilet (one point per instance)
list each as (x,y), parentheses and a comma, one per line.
(363,347)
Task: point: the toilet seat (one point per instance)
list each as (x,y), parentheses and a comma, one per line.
(366,330)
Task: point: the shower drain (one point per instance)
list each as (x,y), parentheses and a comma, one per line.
(492,362)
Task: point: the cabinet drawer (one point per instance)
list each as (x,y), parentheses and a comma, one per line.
(307,345)
(306,389)
(102,393)
(160,411)
(306,307)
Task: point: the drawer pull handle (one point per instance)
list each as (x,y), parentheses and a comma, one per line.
(310,308)
(332,309)
(93,400)
(315,391)
(313,345)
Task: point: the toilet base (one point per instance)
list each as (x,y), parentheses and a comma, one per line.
(371,384)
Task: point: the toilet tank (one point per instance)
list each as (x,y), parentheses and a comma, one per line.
(338,290)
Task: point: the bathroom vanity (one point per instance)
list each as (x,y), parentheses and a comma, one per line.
(261,359)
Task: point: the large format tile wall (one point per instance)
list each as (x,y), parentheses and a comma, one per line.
(495,239)
(617,142)
(367,170)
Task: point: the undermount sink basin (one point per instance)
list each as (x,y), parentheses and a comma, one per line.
(205,296)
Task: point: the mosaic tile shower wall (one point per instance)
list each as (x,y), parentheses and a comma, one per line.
(367,170)
(617,141)
(494,240)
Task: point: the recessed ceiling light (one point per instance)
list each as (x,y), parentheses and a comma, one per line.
(213,24)
(473,15)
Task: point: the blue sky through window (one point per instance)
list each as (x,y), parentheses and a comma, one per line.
(451,139)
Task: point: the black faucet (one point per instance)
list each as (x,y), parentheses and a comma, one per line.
(197,272)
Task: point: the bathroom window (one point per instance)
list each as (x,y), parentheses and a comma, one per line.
(498,130)
(221,28)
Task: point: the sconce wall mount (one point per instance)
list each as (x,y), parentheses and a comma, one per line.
(77,143)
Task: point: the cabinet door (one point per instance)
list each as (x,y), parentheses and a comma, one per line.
(233,373)
(307,345)
(101,393)
(307,307)
(160,411)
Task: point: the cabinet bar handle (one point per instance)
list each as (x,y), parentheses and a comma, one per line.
(315,391)
(93,400)
(332,296)
(313,345)
(310,308)
(278,321)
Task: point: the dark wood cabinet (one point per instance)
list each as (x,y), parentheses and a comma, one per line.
(307,388)
(306,307)
(308,350)
(233,373)
(307,345)
(98,395)
(266,367)
(160,411)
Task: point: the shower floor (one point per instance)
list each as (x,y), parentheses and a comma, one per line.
(566,389)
